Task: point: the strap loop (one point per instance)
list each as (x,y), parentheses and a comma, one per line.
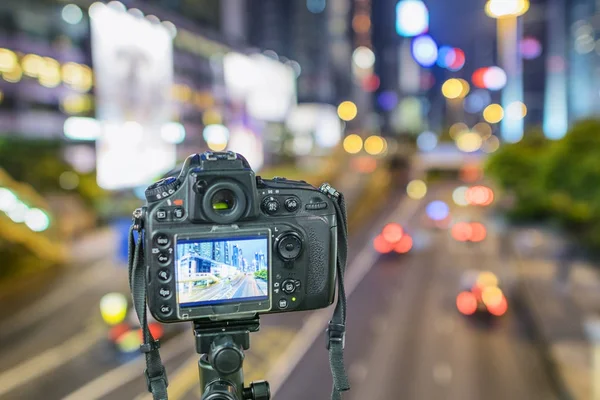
(336,333)
(151,346)
(160,378)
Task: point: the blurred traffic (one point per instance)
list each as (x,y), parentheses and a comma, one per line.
(464,136)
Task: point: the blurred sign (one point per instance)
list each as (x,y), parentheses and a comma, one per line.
(267,86)
(318,120)
(133,65)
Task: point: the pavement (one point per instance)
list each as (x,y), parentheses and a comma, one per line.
(565,306)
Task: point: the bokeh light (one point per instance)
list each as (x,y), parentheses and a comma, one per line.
(459,60)
(446,56)
(516,110)
(8,200)
(412,18)
(363,57)
(353,143)
(437,210)
(427,141)
(487,279)
(478,232)
(387,100)
(491,296)
(466,303)
(370,83)
(404,244)
(36,220)
(374,145)
(216,136)
(361,23)
(72,14)
(461,231)
(113,308)
(499,309)
(459,196)
(471,172)
(416,189)
(392,232)
(347,110)
(494,78)
(477,101)
(456,129)
(530,48)
(504,8)
(424,50)
(479,196)
(484,129)
(381,245)
(478,77)
(493,113)
(454,88)
(316,6)
(469,142)
(491,144)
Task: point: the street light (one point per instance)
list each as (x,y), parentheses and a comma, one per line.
(507,12)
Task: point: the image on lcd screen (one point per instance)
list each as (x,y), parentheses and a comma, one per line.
(220,271)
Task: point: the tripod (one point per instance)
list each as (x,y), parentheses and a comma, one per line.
(221,345)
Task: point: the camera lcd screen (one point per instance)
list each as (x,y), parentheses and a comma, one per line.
(222,271)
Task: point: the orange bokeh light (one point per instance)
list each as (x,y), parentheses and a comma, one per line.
(477,77)
(381,245)
(461,231)
(404,245)
(479,196)
(500,308)
(466,303)
(478,232)
(392,232)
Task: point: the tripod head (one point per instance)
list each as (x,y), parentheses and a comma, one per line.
(221,345)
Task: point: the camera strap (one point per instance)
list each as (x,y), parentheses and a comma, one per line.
(155,373)
(336,331)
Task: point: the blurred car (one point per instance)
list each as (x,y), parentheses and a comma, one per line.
(393,239)
(481,295)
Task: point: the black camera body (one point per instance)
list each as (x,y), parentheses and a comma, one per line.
(222,243)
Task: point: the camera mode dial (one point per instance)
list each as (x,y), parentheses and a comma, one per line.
(270,205)
(162,189)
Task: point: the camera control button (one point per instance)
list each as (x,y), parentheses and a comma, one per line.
(283,303)
(165,292)
(288,286)
(164,274)
(161,215)
(161,239)
(291,204)
(166,309)
(179,212)
(270,205)
(289,246)
(163,257)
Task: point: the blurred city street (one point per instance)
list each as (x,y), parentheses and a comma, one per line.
(464,136)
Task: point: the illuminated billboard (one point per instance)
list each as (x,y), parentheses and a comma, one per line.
(268,87)
(133,67)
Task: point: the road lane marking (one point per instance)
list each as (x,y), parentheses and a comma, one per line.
(117,377)
(315,324)
(52,358)
(442,373)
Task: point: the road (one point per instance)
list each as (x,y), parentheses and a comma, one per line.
(405,339)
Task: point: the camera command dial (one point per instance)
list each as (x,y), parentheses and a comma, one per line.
(161,189)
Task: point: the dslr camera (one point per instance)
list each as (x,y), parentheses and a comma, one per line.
(222,243)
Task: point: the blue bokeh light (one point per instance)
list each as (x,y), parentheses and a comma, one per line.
(412,18)
(477,101)
(316,6)
(437,210)
(425,51)
(387,100)
(446,56)
(427,141)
